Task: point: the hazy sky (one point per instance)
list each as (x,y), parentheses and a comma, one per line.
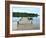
(26,9)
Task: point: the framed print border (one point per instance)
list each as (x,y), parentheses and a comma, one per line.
(7,18)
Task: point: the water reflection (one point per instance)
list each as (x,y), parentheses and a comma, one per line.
(34,21)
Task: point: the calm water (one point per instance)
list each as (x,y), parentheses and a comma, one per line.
(35,22)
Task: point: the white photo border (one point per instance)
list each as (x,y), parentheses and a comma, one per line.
(25,31)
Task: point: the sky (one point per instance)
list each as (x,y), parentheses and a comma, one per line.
(27,9)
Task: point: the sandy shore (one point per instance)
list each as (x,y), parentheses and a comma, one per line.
(25,24)
(25,27)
